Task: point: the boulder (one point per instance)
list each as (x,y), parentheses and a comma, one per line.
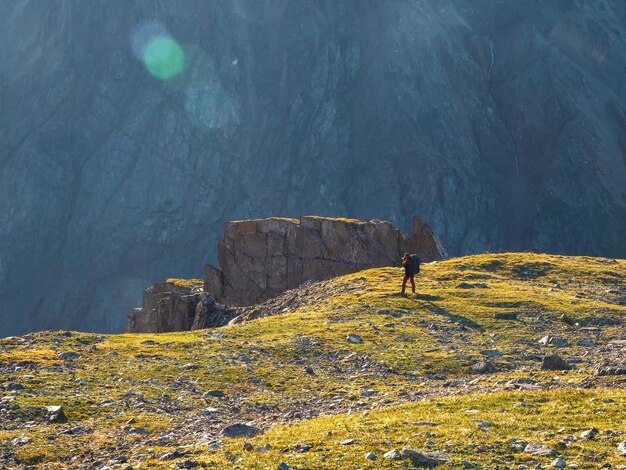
(424,458)
(483,367)
(555,362)
(56,414)
(540,450)
(555,341)
(240,430)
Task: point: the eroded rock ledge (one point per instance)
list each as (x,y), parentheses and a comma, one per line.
(260,259)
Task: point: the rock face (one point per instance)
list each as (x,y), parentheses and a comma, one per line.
(260,259)
(166,306)
(502,123)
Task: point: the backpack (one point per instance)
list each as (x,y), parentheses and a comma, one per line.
(414,264)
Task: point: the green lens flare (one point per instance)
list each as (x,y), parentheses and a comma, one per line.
(164,58)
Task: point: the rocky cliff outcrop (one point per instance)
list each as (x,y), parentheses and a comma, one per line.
(502,123)
(260,259)
(166,306)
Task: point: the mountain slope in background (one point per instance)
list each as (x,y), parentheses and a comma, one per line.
(501,123)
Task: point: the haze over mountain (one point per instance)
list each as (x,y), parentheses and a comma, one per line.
(131,131)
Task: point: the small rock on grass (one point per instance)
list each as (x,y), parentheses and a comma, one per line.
(240,430)
(348,442)
(70,355)
(139,431)
(21,441)
(589,434)
(370,456)
(505,316)
(483,367)
(558,463)
(621,449)
(554,362)
(424,458)
(284,466)
(392,455)
(555,341)
(539,450)
(356,339)
(56,414)
(187,464)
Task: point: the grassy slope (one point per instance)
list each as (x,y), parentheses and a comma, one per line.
(415,356)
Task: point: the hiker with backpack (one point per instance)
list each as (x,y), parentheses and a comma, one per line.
(411,264)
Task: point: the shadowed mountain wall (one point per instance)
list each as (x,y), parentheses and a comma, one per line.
(502,123)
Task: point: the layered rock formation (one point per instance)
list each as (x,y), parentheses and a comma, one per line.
(260,259)
(502,123)
(166,306)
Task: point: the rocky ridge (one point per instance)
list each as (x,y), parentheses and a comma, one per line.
(260,259)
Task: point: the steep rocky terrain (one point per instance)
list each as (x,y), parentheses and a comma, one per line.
(502,123)
(498,361)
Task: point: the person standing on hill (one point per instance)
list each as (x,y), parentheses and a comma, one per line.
(411,264)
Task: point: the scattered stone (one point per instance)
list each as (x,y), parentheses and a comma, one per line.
(187,464)
(492,353)
(214,394)
(356,339)
(214,446)
(589,434)
(585,343)
(484,424)
(247,446)
(21,441)
(424,458)
(148,342)
(370,456)
(348,442)
(309,370)
(392,455)
(555,341)
(554,362)
(139,431)
(506,316)
(174,454)
(240,430)
(467,285)
(609,370)
(130,421)
(56,414)
(483,367)
(426,423)
(69,355)
(621,449)
(264,448)
(190,367)
(540,450)
(284,466)
(558,463)
(368,393)
(13,387)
